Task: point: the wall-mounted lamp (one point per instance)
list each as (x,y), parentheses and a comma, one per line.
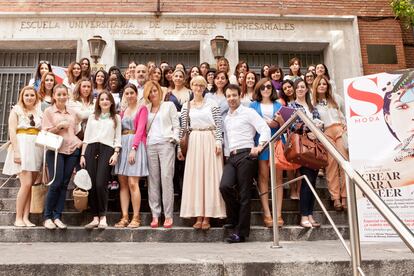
(219,46)
(96,47)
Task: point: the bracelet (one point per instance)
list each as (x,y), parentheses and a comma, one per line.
(83,155)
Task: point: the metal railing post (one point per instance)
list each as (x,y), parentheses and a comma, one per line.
(353,226)
(273,189)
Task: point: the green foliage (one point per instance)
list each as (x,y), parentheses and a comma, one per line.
(404,9)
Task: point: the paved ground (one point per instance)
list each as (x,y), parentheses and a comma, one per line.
(175,253)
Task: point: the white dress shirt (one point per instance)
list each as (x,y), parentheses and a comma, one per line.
(241,126)
(103,131)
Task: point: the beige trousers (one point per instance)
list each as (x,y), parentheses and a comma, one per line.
(334,173)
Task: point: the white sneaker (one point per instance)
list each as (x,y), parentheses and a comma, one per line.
(49,224)
(60,224)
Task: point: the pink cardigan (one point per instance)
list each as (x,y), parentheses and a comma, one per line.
(140,125)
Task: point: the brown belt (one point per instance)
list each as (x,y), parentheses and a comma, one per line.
(128,131)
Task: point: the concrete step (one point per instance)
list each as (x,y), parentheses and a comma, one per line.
(11,192)
(9,204)
(298,258)
(76,218)
(175,234)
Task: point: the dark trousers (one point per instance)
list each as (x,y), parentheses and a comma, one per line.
(56,195)
(97,157)
(235,187)
(307,199)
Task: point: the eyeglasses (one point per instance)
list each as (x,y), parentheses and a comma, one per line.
(263,87)
(44,62)
(32,122)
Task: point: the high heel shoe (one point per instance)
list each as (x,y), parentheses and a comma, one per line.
(344,204)
(268,221)
(154,223)
(280,221)
(168,223)
(337,205)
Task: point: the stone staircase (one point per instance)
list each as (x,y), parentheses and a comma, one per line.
(181,232)
(183,250)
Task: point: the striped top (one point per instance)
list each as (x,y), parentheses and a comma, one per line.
(203,117)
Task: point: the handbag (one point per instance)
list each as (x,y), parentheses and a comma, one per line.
(49,141)
(39,191)
(280,160)
(80,199)
(186,133)
(307,152)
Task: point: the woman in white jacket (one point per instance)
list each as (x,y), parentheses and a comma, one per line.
(162,135)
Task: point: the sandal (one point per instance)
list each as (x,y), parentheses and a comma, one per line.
(135,222)
(168,223)
(268,221)
(154,223)
(197,225)
(205,225)
(337,205)
(122,223)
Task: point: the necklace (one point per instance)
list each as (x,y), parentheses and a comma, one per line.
(104,115)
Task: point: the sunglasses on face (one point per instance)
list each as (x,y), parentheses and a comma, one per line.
(263,87)
(32,122)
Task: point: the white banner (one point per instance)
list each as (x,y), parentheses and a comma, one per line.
(380,121)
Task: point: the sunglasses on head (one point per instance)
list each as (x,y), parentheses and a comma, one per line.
(44,62)
(263,87)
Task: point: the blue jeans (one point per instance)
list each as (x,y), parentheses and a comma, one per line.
(56,196)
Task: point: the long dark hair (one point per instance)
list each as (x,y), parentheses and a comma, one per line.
(112,110)
(307,95)
(106,77)
(38,76)
(87,73)
(257,90)
(282,94)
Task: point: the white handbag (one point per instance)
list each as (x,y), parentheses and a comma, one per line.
(49,141)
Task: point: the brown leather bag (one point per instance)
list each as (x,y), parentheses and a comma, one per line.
(307,152)
(186,133)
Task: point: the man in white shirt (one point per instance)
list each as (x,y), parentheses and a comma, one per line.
(241,125)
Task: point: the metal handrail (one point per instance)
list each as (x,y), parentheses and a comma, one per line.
(318,199)
(352,177)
